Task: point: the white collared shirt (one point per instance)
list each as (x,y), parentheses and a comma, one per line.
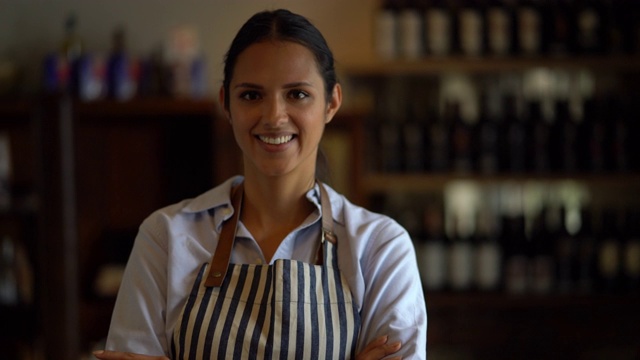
(375,256)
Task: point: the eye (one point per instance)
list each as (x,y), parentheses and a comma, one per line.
(298,94)
(250,95)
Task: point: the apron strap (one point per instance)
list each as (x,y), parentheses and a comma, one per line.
(220,261)
(327,224)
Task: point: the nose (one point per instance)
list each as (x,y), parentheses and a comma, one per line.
(275,113)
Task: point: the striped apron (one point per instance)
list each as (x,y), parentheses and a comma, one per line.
(287,310)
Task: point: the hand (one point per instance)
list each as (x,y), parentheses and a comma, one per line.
(378,349)
(117,355)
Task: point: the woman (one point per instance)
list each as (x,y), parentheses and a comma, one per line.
(273,262)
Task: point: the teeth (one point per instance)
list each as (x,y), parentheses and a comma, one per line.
(276,140)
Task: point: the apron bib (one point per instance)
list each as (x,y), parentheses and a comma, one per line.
(287,310)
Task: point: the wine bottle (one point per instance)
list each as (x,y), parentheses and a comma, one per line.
(516,266)
(413,135)
(439,143)
(631,251)
(461,257)
(565,138)
(543,263)
(8,272)
(586,240)
(589,27)
(488,253)
(121,79)
(439,28)
(461,138)
(609,252)
(410,30)
(72,49)
(566,253)
(558,26)
(515,137)
(499,28)
(471,29)
(539,139)
(592,137)
(529,27)
(432,254)
(386,30)
(619,123)
(486,142)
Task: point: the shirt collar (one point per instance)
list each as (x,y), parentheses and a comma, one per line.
(219,198)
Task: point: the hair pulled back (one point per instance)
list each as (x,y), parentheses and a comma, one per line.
(281,25)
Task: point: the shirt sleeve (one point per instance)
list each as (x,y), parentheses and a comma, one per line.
(393,303)
(138,320)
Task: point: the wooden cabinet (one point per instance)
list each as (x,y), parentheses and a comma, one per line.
(19,231)
(474,324)
(87,174)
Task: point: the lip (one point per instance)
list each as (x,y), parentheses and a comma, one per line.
(275,142)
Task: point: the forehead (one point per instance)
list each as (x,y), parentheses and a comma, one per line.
(276,61)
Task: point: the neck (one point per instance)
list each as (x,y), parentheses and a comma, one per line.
(273,207)
(277,196)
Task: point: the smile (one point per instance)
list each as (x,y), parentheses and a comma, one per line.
(275,140)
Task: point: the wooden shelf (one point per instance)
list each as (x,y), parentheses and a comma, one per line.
(500,300)
(144,107)
(492,326)
(489,65)
(379,182)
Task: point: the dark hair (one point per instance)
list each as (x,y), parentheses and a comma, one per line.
(281,25)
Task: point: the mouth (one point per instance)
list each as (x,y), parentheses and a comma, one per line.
(275,140)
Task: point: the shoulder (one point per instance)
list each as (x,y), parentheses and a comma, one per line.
(189,212)
(364,226)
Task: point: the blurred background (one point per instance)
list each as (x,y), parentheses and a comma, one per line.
(502,134)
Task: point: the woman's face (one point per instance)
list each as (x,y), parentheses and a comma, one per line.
(278,108)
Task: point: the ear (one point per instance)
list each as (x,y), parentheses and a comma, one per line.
(334,103)
(221,98)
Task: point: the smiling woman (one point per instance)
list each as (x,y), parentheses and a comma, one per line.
(273,263)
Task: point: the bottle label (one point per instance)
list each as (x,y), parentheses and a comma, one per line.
(588,23)
(410,29)
(516,274)
(529,31)
(471,32)
(499,30)
(386,29)
(608,258)
(433,265)
(543,269)
(461,266)
(438,27)
(488,266)
(632,258)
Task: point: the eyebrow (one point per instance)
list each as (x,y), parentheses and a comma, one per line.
(286,86)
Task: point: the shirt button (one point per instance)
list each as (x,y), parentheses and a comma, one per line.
(227,212)
(258,261)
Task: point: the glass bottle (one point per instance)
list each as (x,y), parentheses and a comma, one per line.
(386,30)
(439,28)
(461,256)
(488,253)
(432,254)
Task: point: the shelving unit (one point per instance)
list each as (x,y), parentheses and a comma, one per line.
(435,66)
(498,324)
(86,174)
(19,224)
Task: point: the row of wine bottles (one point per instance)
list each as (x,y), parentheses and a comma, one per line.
(554,250)
(412,29)
(175,69)
(16,273)
(529,141)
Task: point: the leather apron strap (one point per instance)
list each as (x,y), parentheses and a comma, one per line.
(222,256)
